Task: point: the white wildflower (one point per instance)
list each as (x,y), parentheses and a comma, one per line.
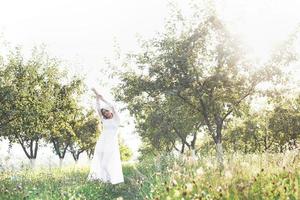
(200,171)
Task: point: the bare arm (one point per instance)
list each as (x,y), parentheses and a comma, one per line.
(100,97)
(115,113)
(99,108)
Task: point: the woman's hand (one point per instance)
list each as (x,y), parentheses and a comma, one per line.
(98,96)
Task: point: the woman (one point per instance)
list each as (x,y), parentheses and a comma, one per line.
(106,163)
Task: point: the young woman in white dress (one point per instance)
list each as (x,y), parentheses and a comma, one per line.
(106,163)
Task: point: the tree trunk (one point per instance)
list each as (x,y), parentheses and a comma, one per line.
(218,141)
(182,148)
(90,153)
(30,153)
(60,150)
(60,162)
(193,143)
(32,163)
(76,155)
(220,155)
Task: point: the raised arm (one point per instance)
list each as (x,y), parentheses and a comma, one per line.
(115,113)
(100,97)
(99,108)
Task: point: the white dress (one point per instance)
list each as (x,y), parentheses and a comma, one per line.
(106,163)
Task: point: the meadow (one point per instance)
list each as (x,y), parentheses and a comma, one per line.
(221,78)
(253,176)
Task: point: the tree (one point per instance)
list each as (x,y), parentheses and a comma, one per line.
(125,151)
(244,133)
(200,65)
(64,112)
(26,99)
(163,129)
(273,130)
(86,129)
(285,124)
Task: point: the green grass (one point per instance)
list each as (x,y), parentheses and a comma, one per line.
(65,183)
(266,176)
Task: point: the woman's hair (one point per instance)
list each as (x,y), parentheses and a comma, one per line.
(102,112)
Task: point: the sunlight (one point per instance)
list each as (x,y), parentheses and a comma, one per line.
(201,99)
(261,24)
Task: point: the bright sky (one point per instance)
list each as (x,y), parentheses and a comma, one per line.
(82,33)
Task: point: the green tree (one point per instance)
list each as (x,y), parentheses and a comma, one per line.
(166,123)
(200,65)
(86,129)
(64,112)
(125,151)
(26,99)
(285,124)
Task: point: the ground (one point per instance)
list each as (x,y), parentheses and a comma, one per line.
(264,176)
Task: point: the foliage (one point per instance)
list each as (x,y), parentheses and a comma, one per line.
(38,102)
(26,99)
(125,151)
(192,76)
(254,176)
(86,130)
(64,113)
(285,124)
(273,130)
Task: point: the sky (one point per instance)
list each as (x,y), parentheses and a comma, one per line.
(83,33)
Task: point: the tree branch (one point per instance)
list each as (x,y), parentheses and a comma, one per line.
(188,102)
(181,137)
(237,103)
(23,147)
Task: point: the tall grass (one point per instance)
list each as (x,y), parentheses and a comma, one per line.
(253,176)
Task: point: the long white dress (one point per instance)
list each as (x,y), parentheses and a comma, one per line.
(106,163)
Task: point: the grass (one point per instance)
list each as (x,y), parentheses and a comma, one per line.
(264,176)
(65,183)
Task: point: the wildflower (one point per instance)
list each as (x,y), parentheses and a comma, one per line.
(245,164)
(209,164)
(219,189)
(119,198)
(189,187)
(200,171)
(228,174)
(174,182)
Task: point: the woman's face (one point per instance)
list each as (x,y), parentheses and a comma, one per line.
(107,114)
